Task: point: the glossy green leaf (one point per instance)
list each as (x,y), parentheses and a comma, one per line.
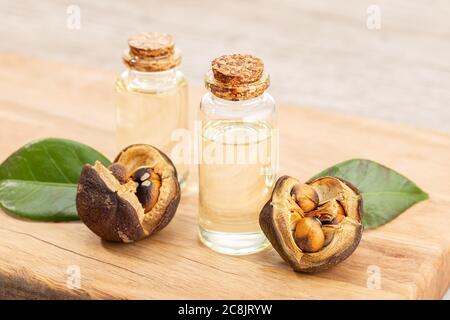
(39,180)
(385,192)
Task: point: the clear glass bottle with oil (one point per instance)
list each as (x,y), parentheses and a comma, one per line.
(152,96)
(239,154)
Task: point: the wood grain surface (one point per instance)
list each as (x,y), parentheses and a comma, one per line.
(39,98)
(319,53)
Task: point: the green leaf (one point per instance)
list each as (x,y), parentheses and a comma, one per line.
(385,192)
(39,180)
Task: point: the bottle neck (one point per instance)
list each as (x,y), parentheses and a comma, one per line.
(150,81)
(258,107)
(236,103)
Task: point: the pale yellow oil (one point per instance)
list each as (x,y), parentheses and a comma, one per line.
(236,177)
(150,117)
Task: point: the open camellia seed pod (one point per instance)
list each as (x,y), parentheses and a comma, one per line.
(313,226)
(135,196)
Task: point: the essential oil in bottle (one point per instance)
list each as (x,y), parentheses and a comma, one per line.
(239,154)
(152,96)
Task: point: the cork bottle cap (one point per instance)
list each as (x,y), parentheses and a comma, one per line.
(151,44)
(151,52)
(237,77)
(237,68)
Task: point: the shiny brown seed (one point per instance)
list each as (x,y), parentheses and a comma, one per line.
(148,185)
(141,174)
(305,196)
(309,235)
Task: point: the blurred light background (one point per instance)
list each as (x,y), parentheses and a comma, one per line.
(321,54)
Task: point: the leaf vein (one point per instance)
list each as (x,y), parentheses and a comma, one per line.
(56,166)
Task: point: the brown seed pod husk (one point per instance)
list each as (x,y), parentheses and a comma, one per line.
(130,211)
(277,215)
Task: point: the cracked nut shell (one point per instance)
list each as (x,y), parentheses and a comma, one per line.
(321,238)
(130,209)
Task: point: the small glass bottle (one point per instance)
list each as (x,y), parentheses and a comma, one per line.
(152,96)
(239,154)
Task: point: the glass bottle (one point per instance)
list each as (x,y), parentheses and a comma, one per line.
(239,154)
(152,96)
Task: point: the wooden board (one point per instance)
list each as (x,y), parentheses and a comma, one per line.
(41,98)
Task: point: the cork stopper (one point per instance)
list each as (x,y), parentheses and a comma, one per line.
(151,52)
(237,77)
(237,68)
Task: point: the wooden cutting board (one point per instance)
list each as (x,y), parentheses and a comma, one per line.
(38,260)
